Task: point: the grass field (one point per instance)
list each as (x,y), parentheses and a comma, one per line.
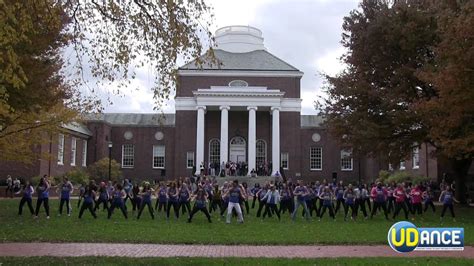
(253,231)
(230,261)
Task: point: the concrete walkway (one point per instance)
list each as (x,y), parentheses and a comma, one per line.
(217,251)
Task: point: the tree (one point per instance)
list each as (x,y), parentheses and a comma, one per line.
(40,86)
(380,102)
(100,170)
(33,96)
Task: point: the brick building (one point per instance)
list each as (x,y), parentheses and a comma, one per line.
(246,108)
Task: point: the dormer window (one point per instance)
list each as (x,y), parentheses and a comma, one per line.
(238,83)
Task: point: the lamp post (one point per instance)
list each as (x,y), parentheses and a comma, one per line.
(110,160)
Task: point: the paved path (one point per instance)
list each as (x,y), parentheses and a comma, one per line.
(155,250)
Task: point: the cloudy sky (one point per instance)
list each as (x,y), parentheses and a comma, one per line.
(304,33)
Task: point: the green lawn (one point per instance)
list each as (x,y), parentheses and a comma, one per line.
(253,231)
(229,261)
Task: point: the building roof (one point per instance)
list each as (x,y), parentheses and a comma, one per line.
(79,128)
(311,121)
(131,119)
(258,60)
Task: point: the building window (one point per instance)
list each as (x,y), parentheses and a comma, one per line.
(159,156)
(128,154)
(84,153)
(73,151)
(61,149)
(416,158)
(214,151)
(346,160)
(402,165)
(190,159)
(316,158)
(238,83)
(284,160)
(261,152)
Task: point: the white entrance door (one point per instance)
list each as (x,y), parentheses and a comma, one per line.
(237,151)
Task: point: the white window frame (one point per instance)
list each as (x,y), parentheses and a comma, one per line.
(189,158)
(402,165)
(285,157)
(214,157)
(344,160)
(73,151)
(84,153)
(159,151)
(415,158)
(61,149)
(132,155)
(316,158)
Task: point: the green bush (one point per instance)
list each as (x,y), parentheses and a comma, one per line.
(384,175)
(77,176)
(100,170)
(404,176)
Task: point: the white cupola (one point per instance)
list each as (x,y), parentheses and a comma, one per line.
(239,39)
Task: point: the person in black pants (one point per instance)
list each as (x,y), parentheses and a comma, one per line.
(326,197)
(286,202)
(200,205)
(254,191)
(118,201)
(172,200)
(447,198)
(360,202)
(272,198)
(136,198)
(28,191)
(349,198)
(43,196)
(89,198)
(339,193)
(261,203)
(103,197)
(400,204)
(216,200)
(146,200)
(379,196)
(428,198)
(184,198)
(246,197)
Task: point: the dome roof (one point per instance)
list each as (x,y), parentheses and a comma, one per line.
(239,39)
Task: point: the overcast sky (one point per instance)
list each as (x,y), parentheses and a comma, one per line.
(304,33)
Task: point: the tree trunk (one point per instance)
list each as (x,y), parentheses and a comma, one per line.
(460,168)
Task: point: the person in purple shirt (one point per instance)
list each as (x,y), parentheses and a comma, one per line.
(43,196)
(184,199)
(300,192)
(286,202)
(118,197)
(28,191)
(172,194)
(447,198)
(162,198)
(339,192)
(326,197)
(200,203)
(66,189)
(146,194)
(234,193)
(89,199)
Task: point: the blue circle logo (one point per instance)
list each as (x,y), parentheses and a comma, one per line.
(403,237)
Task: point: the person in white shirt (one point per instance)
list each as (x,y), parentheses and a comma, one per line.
(272,197)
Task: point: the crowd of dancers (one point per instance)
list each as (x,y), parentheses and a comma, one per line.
(188,197)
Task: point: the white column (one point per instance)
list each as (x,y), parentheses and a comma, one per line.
(200,138)
(275,140)
(252,137)
(224,134)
